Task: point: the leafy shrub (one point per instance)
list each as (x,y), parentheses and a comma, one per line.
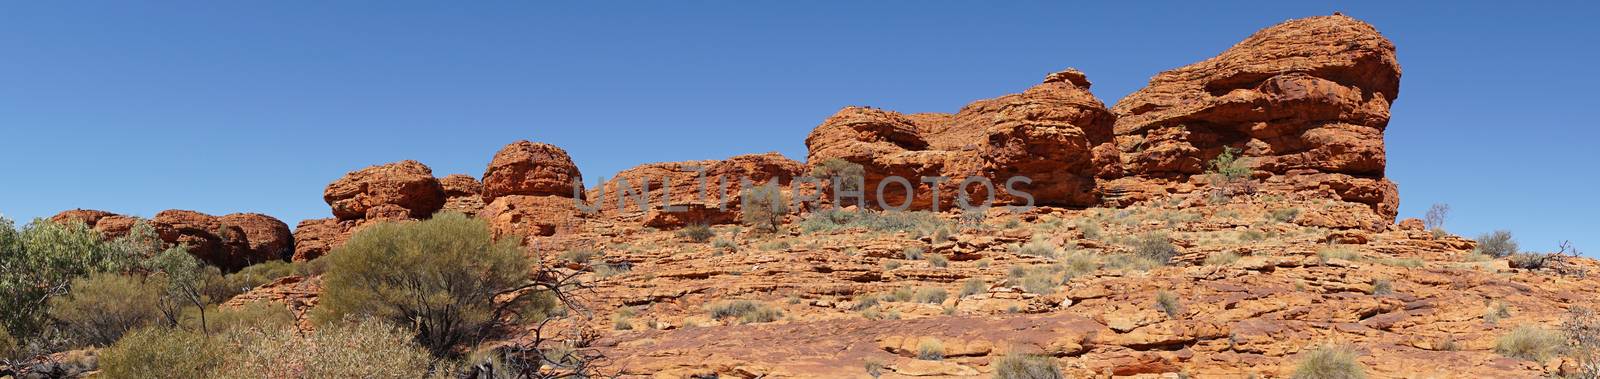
(1498,244)
(848,175)
(938,260)
(1530,343)
(1228,174)
(930,349)
(256,314)
(746,311)
(865,301)
(725,245)
(364,348)
(1330,362)
(444,276)
(1336,252)
(697,233)
(160,352)
(1039,281)
(1156,247)
(41,260)
(973,286)
(763,208)
(8,344)
(874,368)
(251,277)
(103,307)
(1168,303)
(1025,366)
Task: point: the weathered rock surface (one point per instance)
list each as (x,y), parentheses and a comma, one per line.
(229,242)
(109,224)
(1306,101)
(532,169)
(1047,133)
(400,190)
(463,194)
(700,192)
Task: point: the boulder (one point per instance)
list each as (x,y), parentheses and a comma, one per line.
(267,237)
(462,194)
(531,216)
(531,169)
(1048,134)
(1308,96)
(230,242)
(400,190)
(111,225)
(701,192)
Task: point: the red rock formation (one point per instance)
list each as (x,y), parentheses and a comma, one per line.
(1048,133)
(230,242)
(715,201)
(462,194)
(530,190)
(399,190)
(529,168)
(1306,101)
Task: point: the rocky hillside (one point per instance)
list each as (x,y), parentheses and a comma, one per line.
(1148,257)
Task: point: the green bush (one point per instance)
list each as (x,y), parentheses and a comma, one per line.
(160,352)
(1038,247)
(441,277)
(698,233)
(350,349)
(1530,343)
(1025,366)
(227,286)
(8,344)
(930,350)
(930,295)
(256,314)
(848,175)
(725,245)
(746,311)
(103,307)
(763,208)
(1330,362)
(42,259)
(1498,244)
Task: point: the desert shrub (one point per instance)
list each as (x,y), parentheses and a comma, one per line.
(1530,261)
(1025,366)
(8,344)
(902,294)
(725,245)
(1498,244)
(1252,235)
(1167,303)
(103,307)
(1330,253)
(1228,174)
(891,265)
(1329,362)
(365,348)
(606,270)
(445,277)
(577,255)
(848,175)
(1382,287)
(1284,214)
(939,261)
(973,286)
(256,314)
(930,295)
(1039,281)
(697,233)
(1221,259)
(251,277)
(865,301)
(1530,343)
(874,368)
(1582,331)
(1156,247)
(1038,247)
(1497,311)
(160,352)
(763,208)
(1434,219)
(912,253)
(1132,262)
(930,349)
(41,260)
(974,216)
(186,280)
(746,311)
(881,221)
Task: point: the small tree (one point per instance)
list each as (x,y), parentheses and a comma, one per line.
(41,261)
(103,307)
(1434,219)
(1229,175)
(186,279)
(848,175)
(1498,244)
(445,278)
(763,208)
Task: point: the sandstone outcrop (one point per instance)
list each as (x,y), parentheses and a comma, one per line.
(400,190)
(700,192)
(229,242)
(463,194)
(1047,133)
(1305,101)
(531,189)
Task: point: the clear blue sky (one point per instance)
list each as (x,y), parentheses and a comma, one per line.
(255,106)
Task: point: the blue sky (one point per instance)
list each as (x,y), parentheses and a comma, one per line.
(255,106)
